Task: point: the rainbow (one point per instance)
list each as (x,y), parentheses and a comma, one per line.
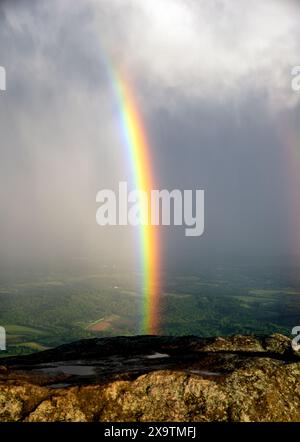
(138,149)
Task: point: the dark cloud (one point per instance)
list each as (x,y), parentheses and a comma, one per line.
(213,84)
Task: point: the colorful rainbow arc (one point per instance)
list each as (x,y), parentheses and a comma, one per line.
(138,148)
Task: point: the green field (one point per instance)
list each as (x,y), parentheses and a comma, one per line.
(47,311)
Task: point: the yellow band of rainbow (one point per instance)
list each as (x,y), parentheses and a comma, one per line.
(139,151)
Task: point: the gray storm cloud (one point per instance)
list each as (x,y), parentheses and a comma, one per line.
(212,78)
(210,49)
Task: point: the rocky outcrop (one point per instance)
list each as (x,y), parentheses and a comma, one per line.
(223,379)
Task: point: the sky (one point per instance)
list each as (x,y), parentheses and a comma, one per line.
(213,82)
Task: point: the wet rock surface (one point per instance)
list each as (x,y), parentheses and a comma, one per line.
(149,378)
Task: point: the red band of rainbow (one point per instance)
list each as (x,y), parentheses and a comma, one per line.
(139,151)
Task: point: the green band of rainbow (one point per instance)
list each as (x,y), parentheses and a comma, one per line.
(139,152)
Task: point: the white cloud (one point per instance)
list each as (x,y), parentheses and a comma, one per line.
(210,49)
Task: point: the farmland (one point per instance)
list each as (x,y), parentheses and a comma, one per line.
(52,309)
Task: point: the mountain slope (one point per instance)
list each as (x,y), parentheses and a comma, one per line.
(147,378)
